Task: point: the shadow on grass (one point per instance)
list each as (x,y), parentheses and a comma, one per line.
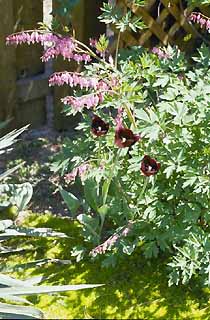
(134,289)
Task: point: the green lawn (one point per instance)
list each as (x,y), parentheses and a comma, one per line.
(135,289)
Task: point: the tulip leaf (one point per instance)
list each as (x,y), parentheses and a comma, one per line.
(6,292)
(8,311)
(70,200)
(91,194)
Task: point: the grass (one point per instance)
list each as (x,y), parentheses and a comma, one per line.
(134,289)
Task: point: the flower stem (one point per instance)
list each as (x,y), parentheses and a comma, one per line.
(109,180)
(144,187)
(124,194)
(117,49)
(110,177)
(99,150)
(130,116)
(88,49)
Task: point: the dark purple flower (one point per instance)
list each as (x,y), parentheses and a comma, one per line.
(99,127)
(149,166)
(125,137)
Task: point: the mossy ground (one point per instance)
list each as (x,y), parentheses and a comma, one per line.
(134,289)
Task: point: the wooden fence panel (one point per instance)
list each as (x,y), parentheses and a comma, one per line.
(23,83)
(166,24)
(26,15)
(23,79)
(31,83)
(7,62)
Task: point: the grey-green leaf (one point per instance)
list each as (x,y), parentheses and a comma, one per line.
(70,200)
(6,292)
(8,311)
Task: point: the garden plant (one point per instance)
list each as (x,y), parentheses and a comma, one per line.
(141,158)
(13,200)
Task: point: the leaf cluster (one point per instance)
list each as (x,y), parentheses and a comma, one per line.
(170,100)
(122,21)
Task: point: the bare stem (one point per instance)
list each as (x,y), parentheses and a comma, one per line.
(130,116)
(144,187)
(117,49)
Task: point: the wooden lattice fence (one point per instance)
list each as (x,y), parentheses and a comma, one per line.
(23,77)
(166,22)
(23,88)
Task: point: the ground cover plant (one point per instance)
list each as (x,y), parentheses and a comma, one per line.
(135,289)
(142,156)
(13,201)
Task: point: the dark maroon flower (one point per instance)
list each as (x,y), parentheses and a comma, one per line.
(99,127)
(149,166)
(125,137)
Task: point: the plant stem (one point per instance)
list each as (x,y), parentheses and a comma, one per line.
(107,190)
(110,177)
(130,116)
(99,150)
(92,53)
(88,49)
(144,187)
(117,49)
(124,194)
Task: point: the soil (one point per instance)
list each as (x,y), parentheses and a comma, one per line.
(36,148)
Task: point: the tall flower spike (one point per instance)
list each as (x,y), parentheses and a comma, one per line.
(78,103)
(75,79)
(55,45)
(124,137)
(99,127)
(149,166)
(200,19)
(29,37)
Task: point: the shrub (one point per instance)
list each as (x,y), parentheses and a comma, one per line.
(14,199)
(142,155)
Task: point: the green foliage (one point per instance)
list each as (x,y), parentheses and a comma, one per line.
(169,99)
(139,2)
(13,199)
(10,194)
(102,43)
(135,289)
(122,21)
(71,201)
(191,258)
(9,139)
(12,288)
(16,194)
(152,192)
(195,3)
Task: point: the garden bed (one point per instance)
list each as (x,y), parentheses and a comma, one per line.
(135,289)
